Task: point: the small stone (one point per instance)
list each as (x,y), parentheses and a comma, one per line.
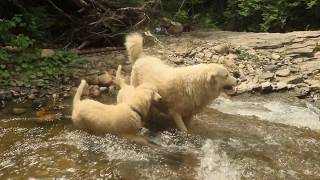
(31,97)
(5,95)
(270,67)
(18,111)
(199,55)
(221,49)
(47,53)
(266,75)
(94,91)
(283,72)
(279,86)
(302,92)
(208,55)
(250,68)
(229,62)
(105,79)
(266,87)
(102,89)
(275,56)
(176,28)
(93,80)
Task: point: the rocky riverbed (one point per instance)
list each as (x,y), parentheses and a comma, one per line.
(265,63)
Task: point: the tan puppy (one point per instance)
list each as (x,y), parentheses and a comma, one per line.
(124,118)
(184,90)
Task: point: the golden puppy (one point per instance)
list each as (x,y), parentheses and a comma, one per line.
(124,118)
(184,90)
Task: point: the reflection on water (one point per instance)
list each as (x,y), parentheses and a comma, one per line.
(219,146)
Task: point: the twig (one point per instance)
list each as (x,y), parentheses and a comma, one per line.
(99,50)
(60,10)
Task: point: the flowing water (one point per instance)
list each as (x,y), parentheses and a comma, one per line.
(242,138)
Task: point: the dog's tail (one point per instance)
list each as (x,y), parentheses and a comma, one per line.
(134,46)
(119,80)
(77,96)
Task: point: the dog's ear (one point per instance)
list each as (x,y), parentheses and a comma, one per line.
(157,97)
(211,76)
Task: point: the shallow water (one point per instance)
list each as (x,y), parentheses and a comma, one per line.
(252,139)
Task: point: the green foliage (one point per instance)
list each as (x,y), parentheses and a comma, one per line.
(25,62)
(246,15)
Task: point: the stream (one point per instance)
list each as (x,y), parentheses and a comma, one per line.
(246,137)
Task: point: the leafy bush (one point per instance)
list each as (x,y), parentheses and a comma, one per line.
(247,15)
(21,59)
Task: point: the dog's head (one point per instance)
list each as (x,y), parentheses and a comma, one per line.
(219,76)
(150,91)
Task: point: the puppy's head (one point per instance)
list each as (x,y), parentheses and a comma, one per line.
(219,76)
(150,91)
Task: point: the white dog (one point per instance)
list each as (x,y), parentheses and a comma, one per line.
(124,118)
(184,90)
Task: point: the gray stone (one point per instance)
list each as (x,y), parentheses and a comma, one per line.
(266,75)
(221,49)
(105,79)
(302,92)
(275,56)
(283,72)
(266,87)
(18,111)
(94,91)
(93,80)
(270,67)
(5,95)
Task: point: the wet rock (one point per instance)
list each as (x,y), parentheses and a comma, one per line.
(283,72)
(221,49)
(31,96)
(175,28)
(291,80)
(271,67)
(105,79)
(247,87)
(47,53)
(302,92)
(275,56)
(18,111)
(250,68)
(5,95)
(280,86)
(94,91)
(266,87)
(266,75)
(93,80)
(314,84)
(102,89)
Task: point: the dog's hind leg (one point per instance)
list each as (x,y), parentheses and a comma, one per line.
(178,120)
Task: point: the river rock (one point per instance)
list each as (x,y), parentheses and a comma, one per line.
(314,84)
(302,92)
(270,67)
(283,72)
(175,28)
(279,86)
(266,75)
(105,79)
(275,56)
(5,95)
(291,80)
(266,87)
(93,80)
(94,91)
(221,49)
(18,111)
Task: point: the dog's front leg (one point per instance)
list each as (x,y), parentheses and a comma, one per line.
(178,120)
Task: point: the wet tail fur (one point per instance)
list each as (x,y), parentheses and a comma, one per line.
(119,80)
(134,46)
(77,96)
